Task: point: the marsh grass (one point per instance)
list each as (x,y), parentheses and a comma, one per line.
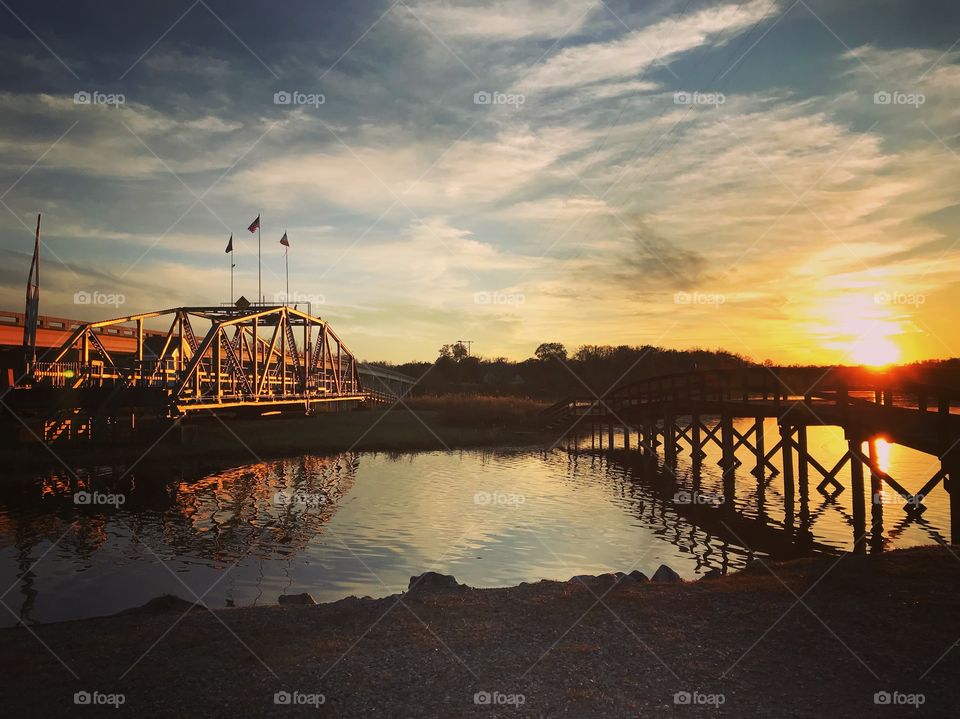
(457,410)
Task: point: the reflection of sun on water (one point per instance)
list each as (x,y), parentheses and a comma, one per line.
(882,452)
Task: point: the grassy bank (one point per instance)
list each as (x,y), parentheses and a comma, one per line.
(480,411)
(431,423)
(865,625)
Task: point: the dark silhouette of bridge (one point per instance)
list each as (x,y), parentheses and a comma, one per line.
(687,412)
(260,359)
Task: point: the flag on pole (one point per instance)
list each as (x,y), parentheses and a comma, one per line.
(255,225)
(229,244)
(284,241)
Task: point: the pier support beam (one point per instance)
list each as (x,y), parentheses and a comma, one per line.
(696,453)
(803,466)
(856,485)
(727,461)
(951,467)
(786,438)
(876,506)
(760,470)
(650,435)
(670,440)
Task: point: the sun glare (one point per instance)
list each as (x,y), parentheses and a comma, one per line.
(861,331)
(875,351)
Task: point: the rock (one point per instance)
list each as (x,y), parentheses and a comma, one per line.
(665,574)
(712,574)
(638,576)
(431,582)
(165,603)
(302,598)
(585,578)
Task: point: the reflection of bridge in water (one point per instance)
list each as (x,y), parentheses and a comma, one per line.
(267,511)
(729,412)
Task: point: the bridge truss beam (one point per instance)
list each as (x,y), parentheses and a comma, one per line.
(263,355)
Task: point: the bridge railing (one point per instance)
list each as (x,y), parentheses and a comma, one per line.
(840,388)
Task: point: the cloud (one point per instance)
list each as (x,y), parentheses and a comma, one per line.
(368,173)
(595,200)
(638,50)
(504,19)
(651,259)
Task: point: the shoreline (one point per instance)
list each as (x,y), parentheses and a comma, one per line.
(218,443)
(588,647)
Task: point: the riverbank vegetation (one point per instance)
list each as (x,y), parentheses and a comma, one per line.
(461,410)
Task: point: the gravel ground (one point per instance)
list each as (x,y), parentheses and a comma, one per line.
(739,646)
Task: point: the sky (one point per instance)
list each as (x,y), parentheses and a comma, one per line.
(775,178)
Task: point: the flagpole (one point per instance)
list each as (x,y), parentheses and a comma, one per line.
(286,258)
(259,263)
(31,309)
(232,265)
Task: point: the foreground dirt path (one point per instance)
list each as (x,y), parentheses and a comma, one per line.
(739,646)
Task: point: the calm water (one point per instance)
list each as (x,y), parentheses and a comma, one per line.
(363,523)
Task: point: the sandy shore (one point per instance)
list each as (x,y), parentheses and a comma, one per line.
(738,646)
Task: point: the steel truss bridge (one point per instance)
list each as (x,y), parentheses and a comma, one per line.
(214,358)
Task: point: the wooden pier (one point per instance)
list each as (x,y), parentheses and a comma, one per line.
(689,411)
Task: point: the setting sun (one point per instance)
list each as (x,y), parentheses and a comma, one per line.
(860,330)
(875,351)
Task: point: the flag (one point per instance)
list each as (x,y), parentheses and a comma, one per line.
(284,241)
(31,310)
(255,225)
(229,245)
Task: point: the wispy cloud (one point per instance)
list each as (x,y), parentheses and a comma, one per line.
(635,51)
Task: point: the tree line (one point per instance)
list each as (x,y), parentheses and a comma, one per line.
(552,373)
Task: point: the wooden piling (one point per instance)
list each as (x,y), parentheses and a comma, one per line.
(670,440)
(803,466)
(876,506)
(650,431)
(786,438)
(856,485)
(695,451)
(951,468)
(760,470)
(727,460)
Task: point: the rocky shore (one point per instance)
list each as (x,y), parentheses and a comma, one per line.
(847,636)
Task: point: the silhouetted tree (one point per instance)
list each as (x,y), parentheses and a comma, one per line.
(551,351)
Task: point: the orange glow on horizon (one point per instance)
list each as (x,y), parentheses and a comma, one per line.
(860,330)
